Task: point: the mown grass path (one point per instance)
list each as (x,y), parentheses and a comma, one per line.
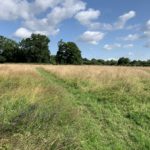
(88,124)
(108,118)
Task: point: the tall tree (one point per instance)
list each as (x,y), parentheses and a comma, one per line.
(8,49)
(68,53)
(73,54)
(61,57)
(36,48)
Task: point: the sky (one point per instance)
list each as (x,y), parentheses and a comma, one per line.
(102,29)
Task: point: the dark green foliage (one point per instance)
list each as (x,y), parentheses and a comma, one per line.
(99,62)
(86,61)
(2,59)
(8,49)
(61,54)
(73,54)
(140,63)
(68,53)
(111,62)
(36,48)
(53,60)
(123,61)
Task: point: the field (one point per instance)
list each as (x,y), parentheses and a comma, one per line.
(44,107)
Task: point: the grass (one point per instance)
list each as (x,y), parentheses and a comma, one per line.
(45,107)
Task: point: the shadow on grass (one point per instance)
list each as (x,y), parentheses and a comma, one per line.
(18,123)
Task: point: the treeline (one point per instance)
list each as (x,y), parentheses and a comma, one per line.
(121,62)
(35,49)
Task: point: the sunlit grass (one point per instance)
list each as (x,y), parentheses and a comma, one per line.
(74,107)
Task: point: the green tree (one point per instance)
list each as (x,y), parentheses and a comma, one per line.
(68,53)
(8,49)
(36,49)
(61,53)
(86,61)
(94,61)
(111,62)
(2,59)
(53,60)
(123,61)
(73,54)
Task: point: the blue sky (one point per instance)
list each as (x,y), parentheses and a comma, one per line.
(101,28)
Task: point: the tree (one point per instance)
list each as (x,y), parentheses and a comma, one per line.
(61,57)
(111,62)
(53,60)
(94,61)
(68,53)
(86,61)
(73,54)
(101,62)
(124,61)
(8,49)
(2,59)
(35,49)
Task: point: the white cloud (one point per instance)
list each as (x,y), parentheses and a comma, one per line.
(11,8)
(128,46)
(92,37)
(116,46)
(135,27)
(123,19)
(131,37)
(112,46)
(45,4)
(108,47)
(54,11)
(14,9)
(23,33)
(143,34)
(146,30)
(120,23)
(130,54)
(148,25)
(146,34)
(59,13)
(88,17)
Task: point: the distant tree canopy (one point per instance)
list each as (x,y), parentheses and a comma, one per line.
(68,53)
(35,49)
(8,49)
(123,61)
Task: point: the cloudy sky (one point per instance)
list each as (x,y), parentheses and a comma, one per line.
(106,29)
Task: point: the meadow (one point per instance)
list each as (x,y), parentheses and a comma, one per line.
(47,107)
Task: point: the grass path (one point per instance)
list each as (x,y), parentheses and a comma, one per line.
(108,117)
(88,119)
(42,110)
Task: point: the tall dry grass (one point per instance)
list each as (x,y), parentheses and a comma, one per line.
(74,107)
(101,76)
